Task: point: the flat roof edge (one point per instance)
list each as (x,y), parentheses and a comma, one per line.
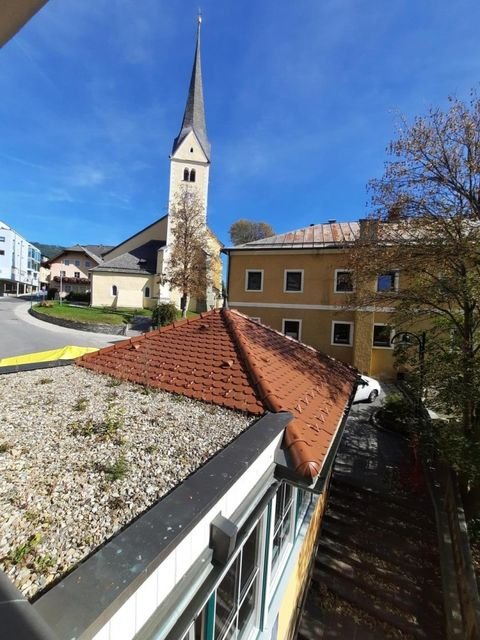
(83,602)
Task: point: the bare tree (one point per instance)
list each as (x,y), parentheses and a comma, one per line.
(419,252)
(243,231)
(189,264)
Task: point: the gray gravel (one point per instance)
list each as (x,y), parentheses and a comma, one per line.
(82,454)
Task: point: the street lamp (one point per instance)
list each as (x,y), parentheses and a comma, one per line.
(405,338)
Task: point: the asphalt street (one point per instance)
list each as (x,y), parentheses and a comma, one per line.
(20,333)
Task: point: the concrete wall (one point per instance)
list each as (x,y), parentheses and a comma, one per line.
(130,290)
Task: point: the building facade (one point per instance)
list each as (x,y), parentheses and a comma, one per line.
(134,272)
(69,270)
(299,283)
(19,263)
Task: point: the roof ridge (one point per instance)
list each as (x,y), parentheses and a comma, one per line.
(267,395)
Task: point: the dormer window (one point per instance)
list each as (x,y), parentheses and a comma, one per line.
(192,175)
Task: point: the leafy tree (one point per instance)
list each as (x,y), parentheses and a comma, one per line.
(426,225)
(243,231)
(189,265)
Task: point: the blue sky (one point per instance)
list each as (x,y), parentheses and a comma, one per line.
(302,99)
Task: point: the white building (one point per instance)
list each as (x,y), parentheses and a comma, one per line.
(19,262)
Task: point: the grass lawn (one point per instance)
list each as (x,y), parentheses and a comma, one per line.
(91,315)
(97,315)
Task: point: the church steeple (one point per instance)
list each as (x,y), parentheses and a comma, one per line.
(194,116)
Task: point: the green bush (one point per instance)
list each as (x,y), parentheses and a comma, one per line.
(397,414)
(78,296)
(164,314)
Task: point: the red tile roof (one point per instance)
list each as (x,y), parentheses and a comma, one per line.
(224,358)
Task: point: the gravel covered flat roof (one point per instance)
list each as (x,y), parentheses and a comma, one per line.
(82,454)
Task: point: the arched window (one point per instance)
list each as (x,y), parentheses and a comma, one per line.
(192,175)
(147,292)
(114,290)
(186,175)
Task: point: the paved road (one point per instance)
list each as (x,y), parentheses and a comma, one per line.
(21,333)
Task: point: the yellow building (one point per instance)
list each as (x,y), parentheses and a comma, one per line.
(299,283)
(134,273)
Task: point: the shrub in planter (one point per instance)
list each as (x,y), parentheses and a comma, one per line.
(164,314)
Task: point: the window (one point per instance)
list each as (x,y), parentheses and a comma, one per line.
(186,175)
(114,290)
(236,595)
(2,238)
(2,252)
(292,328)
(382,336)
(342,333)
(67,288)
(76,274)
(304,500)
(343,281)
(88,264)
(254,280)
(192,175)
(77,263)
(293,281)
(66,262)
(147,292)
(63,274)
(387,281)
(282,524)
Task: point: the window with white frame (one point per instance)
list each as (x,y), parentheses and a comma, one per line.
(387,282)
(282,525)
(293,281)
(292,328)
(382,336)
(342,333)
(254,280)
(236,595)
(343,281)
(76,274)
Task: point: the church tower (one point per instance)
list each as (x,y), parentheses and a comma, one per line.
(190,158)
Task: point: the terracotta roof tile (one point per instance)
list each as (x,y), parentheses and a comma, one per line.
(225,358)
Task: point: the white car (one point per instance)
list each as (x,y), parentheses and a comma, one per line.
(368,390)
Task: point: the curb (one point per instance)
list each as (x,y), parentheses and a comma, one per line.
(81,326)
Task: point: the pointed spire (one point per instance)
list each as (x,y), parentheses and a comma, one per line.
(194,116)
